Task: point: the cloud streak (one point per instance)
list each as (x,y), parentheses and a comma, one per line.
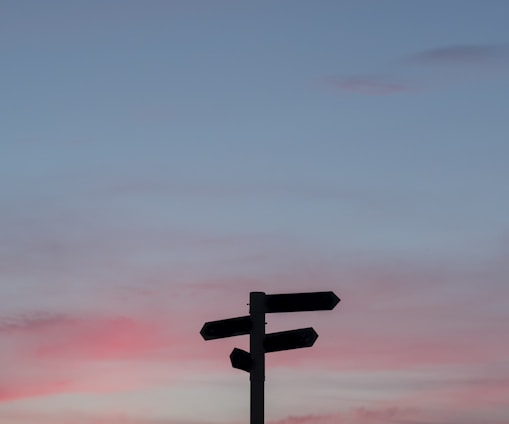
(374,86)
(464,55)
(38,321)
(24,417)
(361,415)
(432,67)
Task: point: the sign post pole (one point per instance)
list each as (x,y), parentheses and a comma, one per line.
(257,374)
(260,343)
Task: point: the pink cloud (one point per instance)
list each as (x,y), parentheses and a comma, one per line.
(57,353)
(389,415)
(360,415)
(368,85)
(492,58)
(47,335)
(23,417)
(10,391)
(486,391)
(49,354)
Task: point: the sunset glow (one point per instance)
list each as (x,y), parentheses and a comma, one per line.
(161,159)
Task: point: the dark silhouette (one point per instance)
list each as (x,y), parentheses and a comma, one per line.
(261,343)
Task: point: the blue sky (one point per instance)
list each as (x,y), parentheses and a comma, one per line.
(161,159)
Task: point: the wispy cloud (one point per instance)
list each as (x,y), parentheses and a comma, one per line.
(303,191)
(360,415)
(375,86)
(25,417)
(464,55)
(38,321)
(490,391)
(402,78)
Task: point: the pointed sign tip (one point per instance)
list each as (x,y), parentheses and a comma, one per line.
(335,299)
(241,360)
(226,328)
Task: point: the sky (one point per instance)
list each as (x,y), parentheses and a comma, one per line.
(159,160)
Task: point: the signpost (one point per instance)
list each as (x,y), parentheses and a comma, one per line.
(260,343)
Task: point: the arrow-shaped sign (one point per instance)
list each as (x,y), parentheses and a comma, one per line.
(226,328)
(241,360)
(293,339)
(296,302)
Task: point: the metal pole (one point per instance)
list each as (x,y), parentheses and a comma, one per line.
(257,374)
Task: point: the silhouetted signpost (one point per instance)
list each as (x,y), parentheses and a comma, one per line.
(260,343)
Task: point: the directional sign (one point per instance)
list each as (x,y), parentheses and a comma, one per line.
(261,343)
(296,302)
(293,339)
(226,328)
(241,360)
